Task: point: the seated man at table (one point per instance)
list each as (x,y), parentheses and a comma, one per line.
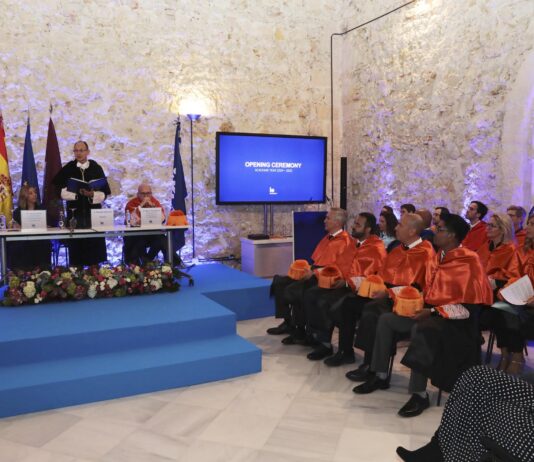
(141,249)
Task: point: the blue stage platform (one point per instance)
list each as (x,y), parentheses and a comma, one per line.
(63,354)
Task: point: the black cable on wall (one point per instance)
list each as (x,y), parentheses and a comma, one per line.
(332,82)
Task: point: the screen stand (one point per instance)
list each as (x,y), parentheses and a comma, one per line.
(268,219)
(271,220)
(265,219)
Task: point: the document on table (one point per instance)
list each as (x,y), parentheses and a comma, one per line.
(33,220)
(519,292)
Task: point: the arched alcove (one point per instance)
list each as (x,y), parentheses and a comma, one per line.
(518,139)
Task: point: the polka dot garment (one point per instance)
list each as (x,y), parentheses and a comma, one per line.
(486,402)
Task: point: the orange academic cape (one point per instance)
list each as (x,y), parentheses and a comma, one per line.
(364,260)
(520,237)
(404,267)
(476,237)
(328,249)
(527,263)
(502,263)
(459,278)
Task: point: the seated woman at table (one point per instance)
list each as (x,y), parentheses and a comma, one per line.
(27,254)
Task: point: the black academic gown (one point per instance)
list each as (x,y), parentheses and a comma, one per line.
(90,251)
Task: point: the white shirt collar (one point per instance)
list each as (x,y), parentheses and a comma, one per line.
(473,225)
(336,233)
(83,166)
(414,243)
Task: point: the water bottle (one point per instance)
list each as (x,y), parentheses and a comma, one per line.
(61,221)
(3,222)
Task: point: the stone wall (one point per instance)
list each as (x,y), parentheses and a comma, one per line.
(118,73)
(424,93)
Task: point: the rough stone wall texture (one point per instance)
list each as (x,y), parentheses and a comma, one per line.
(118,71)
(424,93)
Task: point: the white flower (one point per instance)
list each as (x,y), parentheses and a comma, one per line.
(38,299)
(102,285)
(44,273)
(137,269)
(72,270)
(29,289)
(128,280)
(156,283)
(112,283)
(91,292)
(166,269)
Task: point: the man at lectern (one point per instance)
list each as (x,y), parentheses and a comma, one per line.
(135,247)
(84,186)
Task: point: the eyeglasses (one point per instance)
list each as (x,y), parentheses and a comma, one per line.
(76,151)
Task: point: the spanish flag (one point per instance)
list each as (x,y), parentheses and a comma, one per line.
(6,192)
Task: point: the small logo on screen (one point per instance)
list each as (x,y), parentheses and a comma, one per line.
(272,191)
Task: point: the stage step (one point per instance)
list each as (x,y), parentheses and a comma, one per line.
(66,330)
(66,382)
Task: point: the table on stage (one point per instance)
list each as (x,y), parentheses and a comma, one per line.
(64,234)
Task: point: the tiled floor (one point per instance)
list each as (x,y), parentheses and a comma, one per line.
(294,411)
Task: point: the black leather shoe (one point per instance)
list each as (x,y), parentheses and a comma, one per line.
(362,374)
(340,358)
(283,328)
(373,384)
(320,352)
(415,406)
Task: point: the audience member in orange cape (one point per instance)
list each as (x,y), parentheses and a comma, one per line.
(406,265)
(445,335)
(436,216)
(476,237)
(518,214)
(358,261)
(501,260)
(331,245)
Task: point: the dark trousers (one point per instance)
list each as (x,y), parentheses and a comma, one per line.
(507,328)
(390,327)
(140,249)
(278,286)
(366,332)
(294,296)
(320,306)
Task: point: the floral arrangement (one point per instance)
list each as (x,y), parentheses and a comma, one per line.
(70,283)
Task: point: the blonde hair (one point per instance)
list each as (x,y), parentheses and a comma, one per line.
(23,195)
(505,225)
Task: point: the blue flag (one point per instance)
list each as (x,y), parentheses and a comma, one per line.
(180,190)
(29,172)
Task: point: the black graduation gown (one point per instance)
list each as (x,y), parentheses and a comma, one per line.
(88,251)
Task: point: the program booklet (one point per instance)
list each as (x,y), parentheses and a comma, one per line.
(518,292)
(74,185)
